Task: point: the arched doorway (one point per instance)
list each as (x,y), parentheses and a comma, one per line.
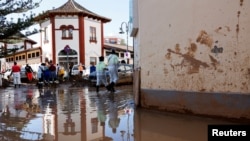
(65,59)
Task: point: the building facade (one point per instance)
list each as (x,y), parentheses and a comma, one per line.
(71,33)
(192,56)
(21,52)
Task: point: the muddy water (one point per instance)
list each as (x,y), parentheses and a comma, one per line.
(70,113)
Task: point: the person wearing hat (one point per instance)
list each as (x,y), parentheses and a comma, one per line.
(113,63)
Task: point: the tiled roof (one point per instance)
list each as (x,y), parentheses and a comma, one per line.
(72,7)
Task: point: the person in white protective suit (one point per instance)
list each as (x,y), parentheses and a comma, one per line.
(100,74)
(113,63)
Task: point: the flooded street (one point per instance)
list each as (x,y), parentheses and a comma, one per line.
(68,113)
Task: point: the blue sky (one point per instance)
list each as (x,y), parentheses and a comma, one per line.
(116,10)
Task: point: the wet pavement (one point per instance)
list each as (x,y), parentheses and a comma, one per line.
(66,113)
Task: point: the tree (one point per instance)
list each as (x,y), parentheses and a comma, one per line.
(11,28)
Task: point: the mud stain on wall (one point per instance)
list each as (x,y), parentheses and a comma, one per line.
(238,14)
(238,26)
(204,38)
(188,60)
(219,31)
(237,29)
(248,73)
(192,49)
(168,56)
(177,48)
(214,61)
(228,28)
(241,2)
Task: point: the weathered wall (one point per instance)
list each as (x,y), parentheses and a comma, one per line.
(194,56)
(231,105)
(195,45)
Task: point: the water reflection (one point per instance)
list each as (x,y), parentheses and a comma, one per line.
(65,113)
(79,114)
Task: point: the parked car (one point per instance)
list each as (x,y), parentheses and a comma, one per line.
(22,73)
(125,73)
(6,73)
(75,70)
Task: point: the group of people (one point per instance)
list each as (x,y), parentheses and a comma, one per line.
(49,72)
(112,67)
(15,71)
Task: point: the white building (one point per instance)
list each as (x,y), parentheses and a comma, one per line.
(71,33)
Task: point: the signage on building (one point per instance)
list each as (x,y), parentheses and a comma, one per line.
(67,49)
(127,55)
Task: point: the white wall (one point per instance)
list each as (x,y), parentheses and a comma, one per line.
(73,43)
(46,47)
(175,40)
(92,49)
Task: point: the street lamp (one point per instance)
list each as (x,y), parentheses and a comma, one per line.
(122,32)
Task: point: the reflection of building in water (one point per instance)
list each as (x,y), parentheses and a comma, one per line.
(128,111)
(49,124)
(94,129)
(77,120)
(68,110)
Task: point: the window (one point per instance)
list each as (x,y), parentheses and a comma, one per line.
(108,53)
(37,54)
(67,32)
(122,55)
(29,55)
(46,38)
(70,32)
(64,35)
(23,57)
(92,34)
